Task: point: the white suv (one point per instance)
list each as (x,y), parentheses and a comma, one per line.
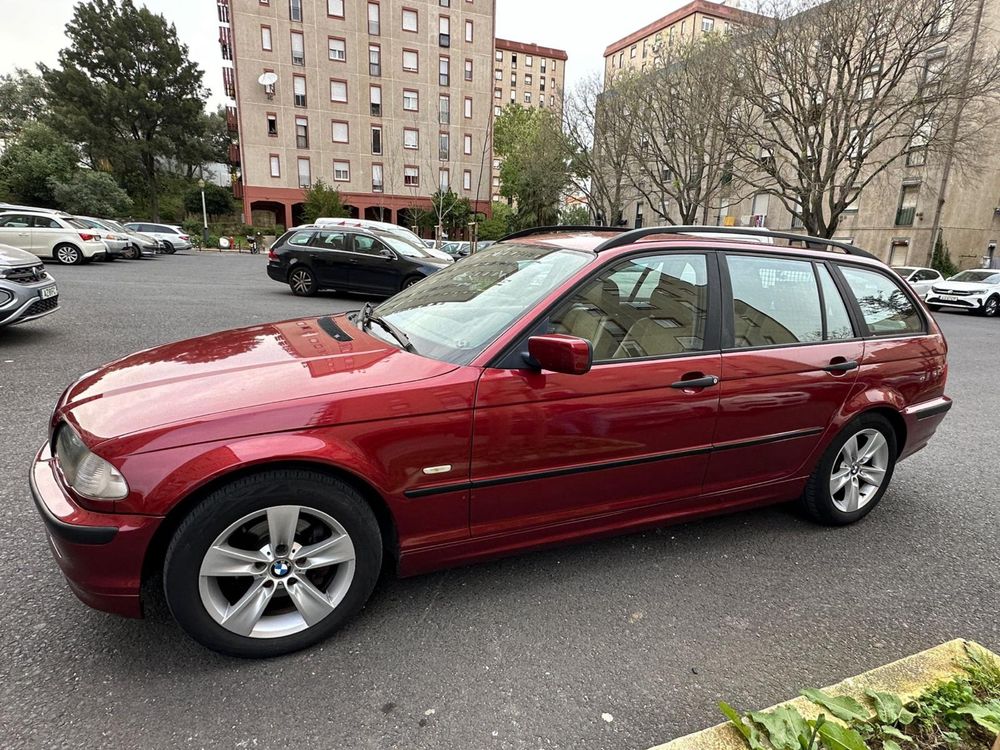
(172,238)
(977,289)
(51,235)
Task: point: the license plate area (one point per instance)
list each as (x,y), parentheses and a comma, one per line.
(49,292)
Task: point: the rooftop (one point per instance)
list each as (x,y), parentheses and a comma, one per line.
(717,10)
(531,49)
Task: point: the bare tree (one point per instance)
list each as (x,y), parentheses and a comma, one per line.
(599,131)
(831,95)
(682,157)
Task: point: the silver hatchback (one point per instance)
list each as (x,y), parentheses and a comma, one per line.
(27,292)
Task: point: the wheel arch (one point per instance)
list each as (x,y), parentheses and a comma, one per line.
(894,418)
(156,551)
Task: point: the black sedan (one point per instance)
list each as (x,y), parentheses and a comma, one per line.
(348,259)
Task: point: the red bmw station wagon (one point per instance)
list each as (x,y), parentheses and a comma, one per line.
(562,384)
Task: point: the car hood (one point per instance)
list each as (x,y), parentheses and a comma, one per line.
(964,286)
(243,377)
(12,256)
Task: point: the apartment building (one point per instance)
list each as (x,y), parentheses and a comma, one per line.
(637,51)
(385,100)
(529,75)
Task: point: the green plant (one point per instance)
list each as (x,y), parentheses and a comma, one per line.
(941,259)
(322,200)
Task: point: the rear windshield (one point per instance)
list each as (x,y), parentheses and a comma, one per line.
(77,224)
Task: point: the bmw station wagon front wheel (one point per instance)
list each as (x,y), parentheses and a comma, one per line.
(272,563)
(302,281)
(854,472)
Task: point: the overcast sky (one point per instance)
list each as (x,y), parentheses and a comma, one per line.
(26,38)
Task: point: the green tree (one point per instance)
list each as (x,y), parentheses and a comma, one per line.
(22,101)
(132,105)
(218,200)
(322,200)
(208,143)
(941,259)
(575,216)
(91,193)
(535,171)
(450,211)
(498,225)
(29,164)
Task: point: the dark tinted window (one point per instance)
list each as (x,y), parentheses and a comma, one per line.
(329,240)
(647,307)
(367,245)
(45,222)
(885,307)
(926,275)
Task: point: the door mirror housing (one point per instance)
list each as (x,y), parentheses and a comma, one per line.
(387,253)
(560,353)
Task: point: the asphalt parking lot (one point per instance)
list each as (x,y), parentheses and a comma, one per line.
(652,629)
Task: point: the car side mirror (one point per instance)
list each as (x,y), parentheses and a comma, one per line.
(560,353)
(387,253)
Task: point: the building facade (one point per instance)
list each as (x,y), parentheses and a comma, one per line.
(386,101)
(529,75)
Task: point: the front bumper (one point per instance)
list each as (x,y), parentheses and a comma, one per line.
(115,248)
(101,554)
(27,303)
(957,302)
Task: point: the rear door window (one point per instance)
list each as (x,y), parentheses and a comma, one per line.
(775,301)
(885,307)
(45,222)
(329,240)
(15,221)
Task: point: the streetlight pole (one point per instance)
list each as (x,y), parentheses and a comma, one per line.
(204,216)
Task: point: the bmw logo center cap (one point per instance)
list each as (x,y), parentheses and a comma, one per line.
(280,568)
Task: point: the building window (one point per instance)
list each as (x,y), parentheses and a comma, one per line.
(376,139)
(527,79)
(527,97)
(411,138)
(444,109)
(378,183)
(444,71)
(497,93)
(707,24)
(342,171)
(916,153)
(299,91)
(409,19)
(375,100)
(758,208)
(338,91)
(444,144)
(444,31)
(468,31)
(513,96)
(295,10)
(444,180)
(335,8)
(374,60)
(373,19)
(468,69)
(468,108)
(337,49)
(907,205)
(513,79)
(301,132)
(467,144)
(341,132)
(298,48)
(542,66)
(265,38)
(305,175)
(933,71)
(411,176)
(410,60)
(497,110)
(467,179)
(272,125)
(275,165)
(528,61)
(498,55)
(541,84)
(632,52)
(498,74)
(411,100)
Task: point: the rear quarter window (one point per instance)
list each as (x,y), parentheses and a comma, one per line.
(885,307)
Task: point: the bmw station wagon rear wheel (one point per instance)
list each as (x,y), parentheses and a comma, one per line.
(302,281)
(272,563)
(854,472)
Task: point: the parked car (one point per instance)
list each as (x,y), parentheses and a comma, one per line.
(51,235)
(117,243)
(921,279)
(27,292)
(171,238)
(139,244)
(348,259)
(384,226)
(976,290)
(457,249)
(556,386)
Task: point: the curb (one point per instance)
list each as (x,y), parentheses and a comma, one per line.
(907,678)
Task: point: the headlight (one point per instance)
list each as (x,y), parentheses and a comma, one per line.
(85,472)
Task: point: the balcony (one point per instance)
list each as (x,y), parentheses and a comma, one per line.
(232,121)
(905,215)
(238,189)
(234,153)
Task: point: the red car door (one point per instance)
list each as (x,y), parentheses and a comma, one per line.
(636,430)
(790,360)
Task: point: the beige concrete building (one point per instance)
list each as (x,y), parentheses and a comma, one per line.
(384,100)
(529,75)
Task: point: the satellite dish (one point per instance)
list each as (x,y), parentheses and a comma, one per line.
(268,79)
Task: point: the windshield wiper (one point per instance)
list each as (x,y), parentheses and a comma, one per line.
(395,332)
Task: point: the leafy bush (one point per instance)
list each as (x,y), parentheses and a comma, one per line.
(941,259)
(90,193)
(321,200)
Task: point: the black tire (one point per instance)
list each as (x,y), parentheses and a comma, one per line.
(934,308)
(228,505)
(68,254)
(168,248)
(817,501)
(302,281)
(991,307)
(410,281)
(132,253)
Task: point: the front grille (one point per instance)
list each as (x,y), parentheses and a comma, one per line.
(29,275)
(956,292)
(42,306)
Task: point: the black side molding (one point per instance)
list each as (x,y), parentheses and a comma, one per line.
(932,411)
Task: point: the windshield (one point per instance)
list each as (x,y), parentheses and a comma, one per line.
(903,271)
(77,224)
(460,310)
(401,246)
(116,226)
(978,277)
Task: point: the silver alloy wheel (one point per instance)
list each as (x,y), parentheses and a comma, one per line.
(859,470)
(991,306)
(301,281)
(67,254)
(277,571)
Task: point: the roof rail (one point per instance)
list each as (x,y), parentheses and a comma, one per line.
(627,238)
(560,228)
